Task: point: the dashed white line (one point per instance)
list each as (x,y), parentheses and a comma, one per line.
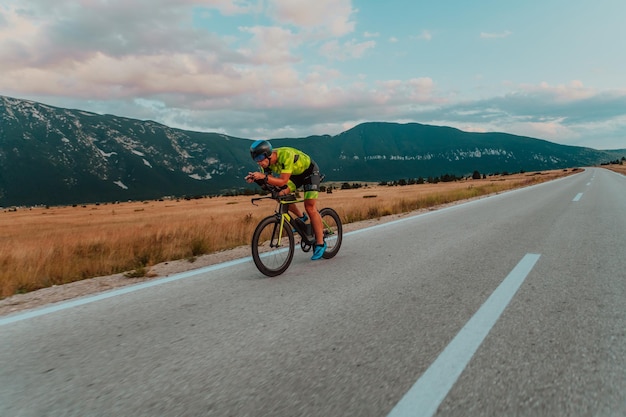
(433,386)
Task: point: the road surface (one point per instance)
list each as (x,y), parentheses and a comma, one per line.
(507,305)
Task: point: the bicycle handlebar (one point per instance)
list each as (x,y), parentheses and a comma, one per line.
(255,199)
(274,195)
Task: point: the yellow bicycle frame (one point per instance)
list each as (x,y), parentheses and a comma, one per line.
(285,216)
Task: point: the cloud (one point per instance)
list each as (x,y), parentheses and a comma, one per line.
(47,34)
(145,48)
(407,92)
(575,90)
(230,7)
(270,45)
(543,101)
(487,35)
(329,16)
(560,113)
(343,51)
(426,35)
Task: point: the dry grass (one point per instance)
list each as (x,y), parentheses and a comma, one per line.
(617,168)
(40,247)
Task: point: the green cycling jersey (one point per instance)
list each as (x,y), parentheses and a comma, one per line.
(290,161)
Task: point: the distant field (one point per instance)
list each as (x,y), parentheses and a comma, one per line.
(617,168)
(41,247)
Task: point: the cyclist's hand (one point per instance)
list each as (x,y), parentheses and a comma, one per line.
(251,177)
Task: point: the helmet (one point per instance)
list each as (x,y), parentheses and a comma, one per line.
(260,150)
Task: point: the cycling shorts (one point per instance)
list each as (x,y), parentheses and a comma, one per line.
(309,180)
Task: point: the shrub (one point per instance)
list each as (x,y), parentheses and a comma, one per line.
(140,272)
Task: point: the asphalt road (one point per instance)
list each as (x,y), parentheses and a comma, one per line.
(509,305)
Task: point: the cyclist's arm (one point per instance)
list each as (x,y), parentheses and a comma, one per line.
(264,178)
(280,181)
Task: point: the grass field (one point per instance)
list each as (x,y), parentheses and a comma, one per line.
(41,247)
(617,168)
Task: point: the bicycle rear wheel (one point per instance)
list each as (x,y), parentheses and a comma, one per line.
(271,255)
(333,231)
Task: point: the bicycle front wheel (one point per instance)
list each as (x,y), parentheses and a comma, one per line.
(333,231)
(272,251)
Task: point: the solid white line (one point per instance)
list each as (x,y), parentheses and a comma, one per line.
(433,386)
(578,197)
(114,293)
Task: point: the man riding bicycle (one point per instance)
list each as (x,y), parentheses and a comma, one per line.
(291,168)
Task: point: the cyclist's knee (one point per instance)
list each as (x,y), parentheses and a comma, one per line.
(310,208)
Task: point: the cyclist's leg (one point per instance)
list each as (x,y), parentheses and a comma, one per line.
(292,207)
(311,192)
(310,205)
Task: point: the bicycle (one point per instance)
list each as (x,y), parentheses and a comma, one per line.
(273,240)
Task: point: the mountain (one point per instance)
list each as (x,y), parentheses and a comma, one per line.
(50,155)
(59,156)
(389,151)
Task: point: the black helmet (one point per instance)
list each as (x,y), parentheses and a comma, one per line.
(260,150)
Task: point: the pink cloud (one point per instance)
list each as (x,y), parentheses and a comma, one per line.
(575,90)
(415,90)
(270,45)
(332,16)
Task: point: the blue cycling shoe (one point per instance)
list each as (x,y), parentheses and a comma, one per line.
(318,252)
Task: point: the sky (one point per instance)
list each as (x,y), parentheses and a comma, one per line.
(548,69)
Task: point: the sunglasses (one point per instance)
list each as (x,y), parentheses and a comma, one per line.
(259,158)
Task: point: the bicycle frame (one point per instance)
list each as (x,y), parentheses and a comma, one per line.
(282,213)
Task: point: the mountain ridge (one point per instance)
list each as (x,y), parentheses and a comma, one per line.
(52,155)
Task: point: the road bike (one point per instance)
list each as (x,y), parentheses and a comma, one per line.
(273,241)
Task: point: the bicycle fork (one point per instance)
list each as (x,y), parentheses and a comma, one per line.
(279,227)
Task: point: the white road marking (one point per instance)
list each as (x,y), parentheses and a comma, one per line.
(433,386)
(578,197)
(114,293)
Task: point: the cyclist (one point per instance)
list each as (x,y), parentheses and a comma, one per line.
(291,168)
